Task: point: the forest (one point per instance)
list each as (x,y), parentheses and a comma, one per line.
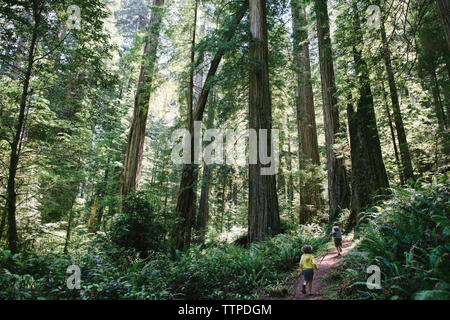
(191,149)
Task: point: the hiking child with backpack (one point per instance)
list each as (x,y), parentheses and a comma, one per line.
(337,237)
(307,266)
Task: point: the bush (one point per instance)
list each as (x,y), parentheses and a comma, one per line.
(141,225)
(111,272)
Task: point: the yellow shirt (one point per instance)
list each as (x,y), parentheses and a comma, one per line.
(307,262)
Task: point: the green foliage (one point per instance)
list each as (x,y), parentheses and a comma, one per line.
(111,272)
(141,225)
(408,237)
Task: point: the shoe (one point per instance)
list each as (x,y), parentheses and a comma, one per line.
(303,289)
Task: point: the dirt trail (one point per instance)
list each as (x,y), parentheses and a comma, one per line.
(330,260)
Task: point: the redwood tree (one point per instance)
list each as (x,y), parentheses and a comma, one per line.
(338,186)
(135,146)
(263,215)
(306,117)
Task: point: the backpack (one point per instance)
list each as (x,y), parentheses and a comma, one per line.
(336,232)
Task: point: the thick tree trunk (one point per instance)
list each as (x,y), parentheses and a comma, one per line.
(444,14)
(306,117)
(203,211)
(135,146)
(15,150)
(189,174)
(403,143)
(368,172)
(338,187)
(263,215)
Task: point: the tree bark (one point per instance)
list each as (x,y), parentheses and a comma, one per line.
(135,146)
(306,117)
(263,214)
(203,211)
(402,141)
(338,187)
(444,15)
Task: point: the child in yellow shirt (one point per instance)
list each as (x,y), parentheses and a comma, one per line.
(307,266)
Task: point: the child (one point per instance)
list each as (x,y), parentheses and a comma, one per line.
(307,266)
(337,237)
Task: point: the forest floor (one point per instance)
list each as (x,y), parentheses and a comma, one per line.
(325,263)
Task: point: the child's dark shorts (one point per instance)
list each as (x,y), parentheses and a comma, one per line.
(338,242)
(308,275)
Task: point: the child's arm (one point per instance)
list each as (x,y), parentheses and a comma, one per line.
(301,264)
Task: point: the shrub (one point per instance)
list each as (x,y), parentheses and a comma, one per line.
(141,225)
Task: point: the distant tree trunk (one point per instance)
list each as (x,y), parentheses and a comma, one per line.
(391,127)
(403,143)
(15,150)
(438,108)
(263,215)
(290,182)
(69,227)
(368,172)
(306,116)
(186,194)
(135,146)
(2,222)
(444,14)
(338,187)
(203,211)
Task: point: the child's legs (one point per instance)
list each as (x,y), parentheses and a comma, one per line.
(309,286)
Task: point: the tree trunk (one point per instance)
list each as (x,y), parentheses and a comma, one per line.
(69,228)
(368,172)
(437,101)
(444,15)
(263,215)
(203,211)
(338,187)
(135,146)
(391,127)
(306,117)
(15,152)
(188,178)
(290,182)
(402,141)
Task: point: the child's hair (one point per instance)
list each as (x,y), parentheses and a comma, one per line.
(336,224)
(307,249)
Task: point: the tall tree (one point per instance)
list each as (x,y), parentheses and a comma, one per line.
(263,215)
(398,119)
(135,146)
(444,15)
(36,8)
(369,176)
(306,117)
(185,198)
(338,186)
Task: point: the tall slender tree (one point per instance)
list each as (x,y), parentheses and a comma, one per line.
(398,119)
(306,117)
(134,149)
(338,186)
(263,215)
